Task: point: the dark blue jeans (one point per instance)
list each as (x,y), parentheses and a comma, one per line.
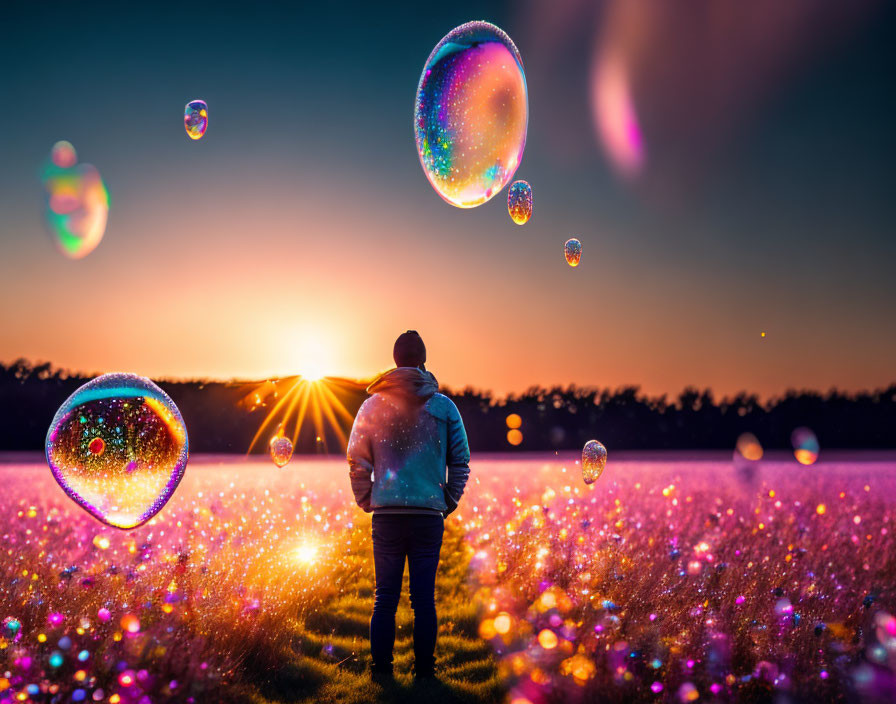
(417,538)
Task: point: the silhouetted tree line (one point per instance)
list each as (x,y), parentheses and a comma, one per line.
(219,419)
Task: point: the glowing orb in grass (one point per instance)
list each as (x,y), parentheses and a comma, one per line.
(471,114)
(594,459)
(514,420)
(281,450)
(77,204)
(805,446)
(118,447)
(514,437)
(196,118)
(130,623)
(519,202)
(572,250)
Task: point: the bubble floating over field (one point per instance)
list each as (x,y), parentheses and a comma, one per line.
(196,118)
(281,450)
(514,420)
(63,154)
(519,202)
(748,447)
(572,249)
(77,204)
(514,436)
(471,114)
(594,459)
(805,446)
(118,447)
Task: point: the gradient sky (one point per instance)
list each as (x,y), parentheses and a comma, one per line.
(301,230)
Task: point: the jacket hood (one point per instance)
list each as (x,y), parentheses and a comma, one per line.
(407,380)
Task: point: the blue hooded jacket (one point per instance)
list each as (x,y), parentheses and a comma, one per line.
(408,451)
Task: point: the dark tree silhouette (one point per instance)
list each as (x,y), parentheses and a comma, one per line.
(552,418)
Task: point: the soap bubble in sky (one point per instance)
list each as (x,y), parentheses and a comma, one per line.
(63,154)
(196,118)
(594,459)
(77,202)
(519,202)
(118,447)
(471,114)
(573,251)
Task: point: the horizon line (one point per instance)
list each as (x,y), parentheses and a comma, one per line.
(365,381)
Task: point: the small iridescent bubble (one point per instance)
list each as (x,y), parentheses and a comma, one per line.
(748,447)
(747,453)
(805,446)
(63,154)
(519,202)
(118,447)
(196,118)
(572,250)
(471,114)
(77,202)
(594,459)
(281,450)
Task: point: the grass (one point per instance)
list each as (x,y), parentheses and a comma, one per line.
(328,654)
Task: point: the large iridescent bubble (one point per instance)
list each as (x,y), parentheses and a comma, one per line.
(196,118)
(471,114)
(77,202)
(594,459)
(118,447)
(519,202)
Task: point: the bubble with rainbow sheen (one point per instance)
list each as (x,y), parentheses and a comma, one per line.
(281,450)
(471,114)
(118,447)
(77,202)
(805,446)
(196,118)
(594,459)
(572,250)
(519,202)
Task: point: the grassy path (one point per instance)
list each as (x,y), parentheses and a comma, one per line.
(328,656)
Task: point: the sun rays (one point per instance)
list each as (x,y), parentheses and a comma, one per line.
(300,402)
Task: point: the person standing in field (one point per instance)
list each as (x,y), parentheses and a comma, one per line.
(409,461)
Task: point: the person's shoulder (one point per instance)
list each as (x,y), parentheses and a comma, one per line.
(370,403)
(442,406)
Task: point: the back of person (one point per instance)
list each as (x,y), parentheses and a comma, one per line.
(409,463)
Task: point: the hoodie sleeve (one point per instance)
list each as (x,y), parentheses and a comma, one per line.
(458,458)
(360,460)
